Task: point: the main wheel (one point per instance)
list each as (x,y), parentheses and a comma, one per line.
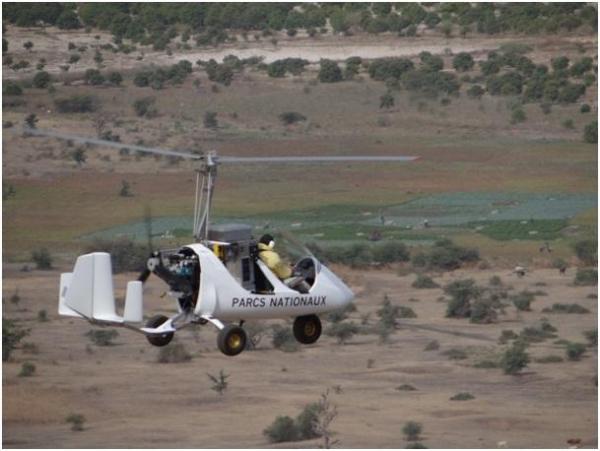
(232,340)
(307,329)
(162,339)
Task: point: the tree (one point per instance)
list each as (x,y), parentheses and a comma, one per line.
(329,72)
(41,80)
(560,63)
(386,100)
(590,133)
(28,45)
(463,62)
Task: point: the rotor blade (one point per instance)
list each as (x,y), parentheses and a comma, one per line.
(114,144)
(313,159)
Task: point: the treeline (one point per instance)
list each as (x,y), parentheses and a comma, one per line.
(158,23)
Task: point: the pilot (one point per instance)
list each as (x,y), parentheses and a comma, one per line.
(274,262)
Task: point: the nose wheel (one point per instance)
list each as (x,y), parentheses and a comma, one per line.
(307,329)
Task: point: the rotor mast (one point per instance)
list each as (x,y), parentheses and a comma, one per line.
(205,182)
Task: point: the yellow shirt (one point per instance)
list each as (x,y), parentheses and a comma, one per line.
(273,261)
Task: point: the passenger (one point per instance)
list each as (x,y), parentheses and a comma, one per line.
(274,262)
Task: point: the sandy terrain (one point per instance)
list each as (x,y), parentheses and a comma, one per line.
(129,400)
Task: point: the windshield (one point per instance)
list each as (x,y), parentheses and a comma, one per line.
(288,247)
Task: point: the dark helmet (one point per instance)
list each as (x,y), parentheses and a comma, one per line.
(266,239)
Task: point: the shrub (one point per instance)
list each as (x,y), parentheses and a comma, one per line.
(41,80)
(586,251)
(406,312)
(444,254)
(388,313)
(342,331)
(27,369)
(329,72)
(537,334)
(549,359)
(219,383)
(42,259)
(93,77)
(517,116)
(144,107)
(101,337)
(77,421)
(574,351)
(276,69)
(210,120)
(125,254)
(386,100)
(12,334)
(433,345)
(591,336)
(390,252)
(483,311)
(590,133)
(291,117)
(462,396)
(307,420)
(385,68)
(42,316)
(11,88)
(463,62)
(585,108)
(585,277)
(455,354)
(566,308)
(283,429)
(475,92)
(423,281)
(570,93)
(406,387)
(174,352)
(506,336)
(283,339)
(514,359)
(522,301)
(115,78)
(76,104)
(461,293)
(412,430)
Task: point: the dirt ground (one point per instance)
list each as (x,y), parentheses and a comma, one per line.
(130,400)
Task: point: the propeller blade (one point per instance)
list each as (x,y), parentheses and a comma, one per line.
(113,144)
(314,159)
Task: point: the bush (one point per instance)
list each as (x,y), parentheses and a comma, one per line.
(585,277)
(433,345)
(455,354)
(446,255)
(306,422)
(587,251)
(549,359)
(144,107)
(406,312)
(388,313)
(291,117)
(412,430)
(76,104)
(115,78)
(463,62)
(383,69)
(483,311)
(585,108)
(101,337)
(406,387)
(41,80)
(522,301)
(390,252)
(174,352)
(591,336)
(423,281)
(283,429)
(386,100)
(517,116)
(461,293)
(342,331)
(77,420)
(93,77)
(27,369)
(12,334)
(11,88)
(219,382)
(475,92)
(462,396)
(590,133)
(210,120)
(329,72)
(514,359)
(560,63)
(125,254)
(283,339)
(566,308)
(42,316)
(570,93)
(42,259)
(574,351)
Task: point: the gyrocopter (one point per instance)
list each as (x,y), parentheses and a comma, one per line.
(217,279)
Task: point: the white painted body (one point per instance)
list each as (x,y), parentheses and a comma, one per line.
(88,293)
